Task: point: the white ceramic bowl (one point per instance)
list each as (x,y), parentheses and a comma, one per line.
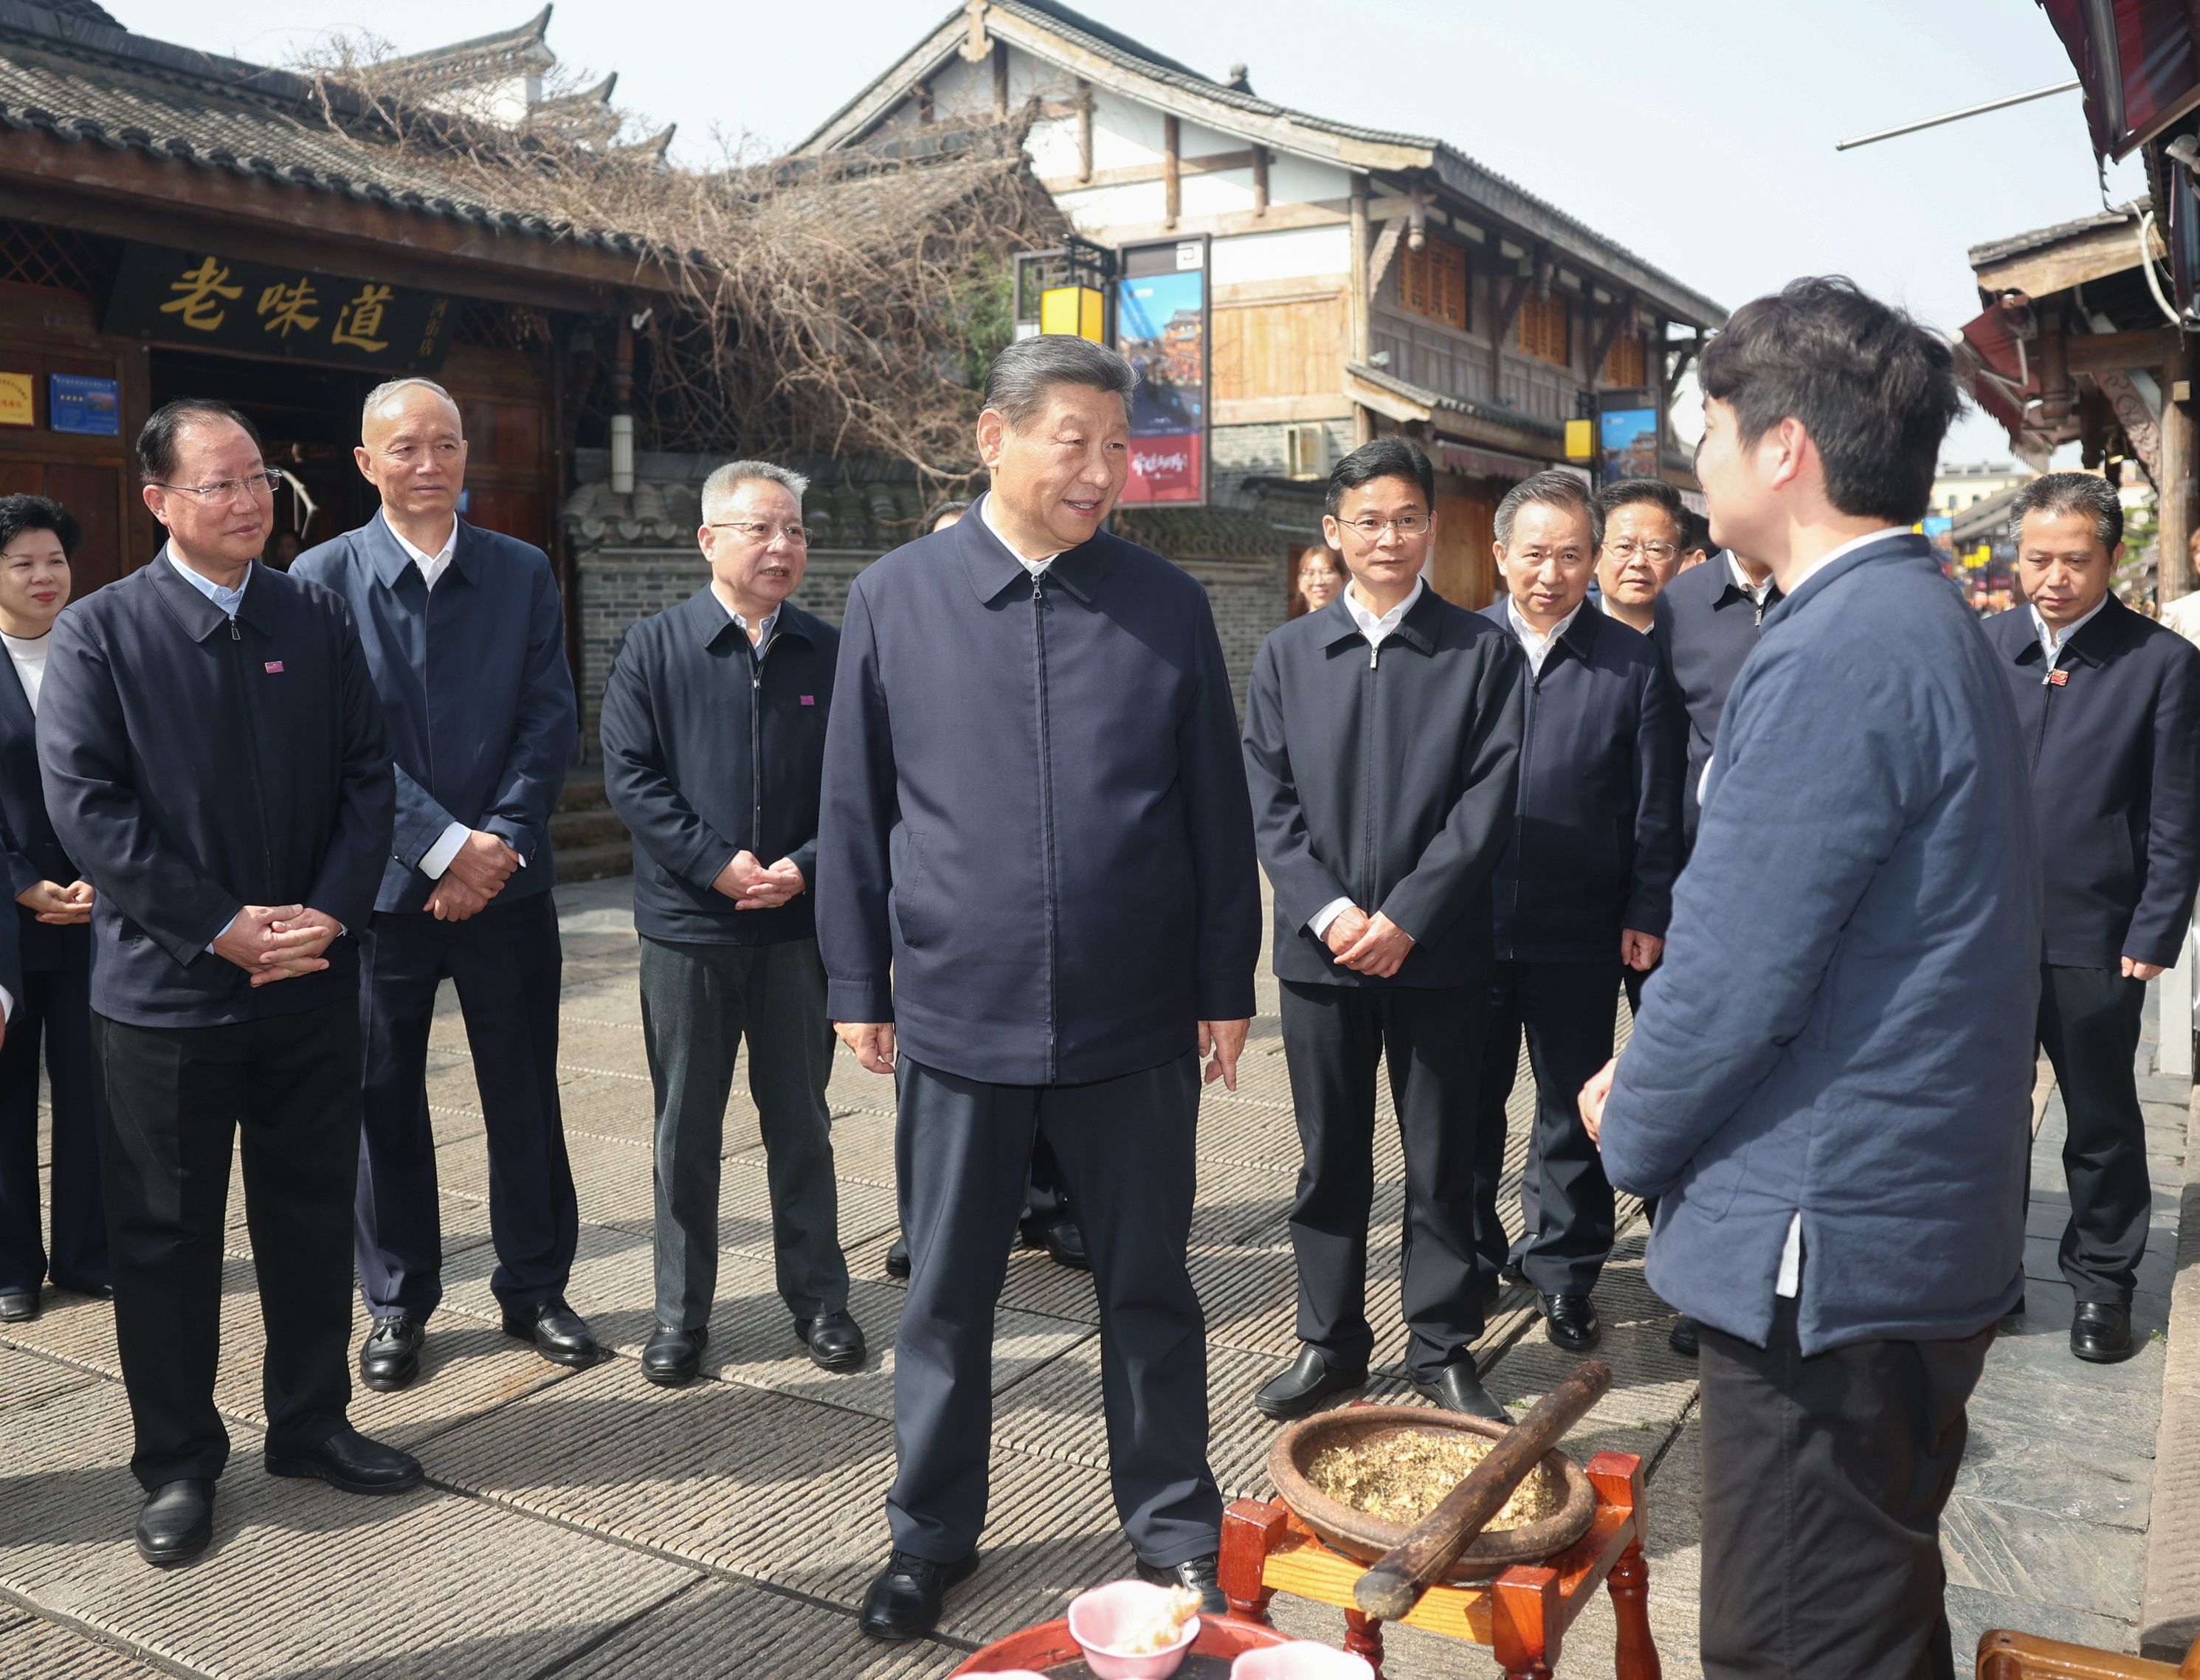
(1301,1660)
(1099,1619)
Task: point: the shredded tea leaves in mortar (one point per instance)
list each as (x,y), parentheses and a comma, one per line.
(1403,1476)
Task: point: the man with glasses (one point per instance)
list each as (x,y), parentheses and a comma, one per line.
(1640,551)
(214,760)
(714,741)
(466,639)
(1381,745)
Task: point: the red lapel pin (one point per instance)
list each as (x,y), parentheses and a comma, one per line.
(273,668)
(2057,677)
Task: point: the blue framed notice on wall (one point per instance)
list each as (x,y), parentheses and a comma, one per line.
(80,404)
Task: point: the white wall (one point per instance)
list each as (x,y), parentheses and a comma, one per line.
(1322,252)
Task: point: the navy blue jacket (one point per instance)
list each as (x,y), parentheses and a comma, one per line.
(194,764)
(34,851)
(1035,854)
(710,750)
(1595,839)
(1386,776)
(1709,627)
(2114,754)
(475,691)
(1843,1022)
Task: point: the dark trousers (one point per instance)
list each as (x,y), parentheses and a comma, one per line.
(55,1012)
(505,963)
(699,1002)
(1125,1148)
(1336,1040)
(177,1100)
(1823,1483)
(2089,1026)
(1568,1010)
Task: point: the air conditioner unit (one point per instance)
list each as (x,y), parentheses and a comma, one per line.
(1306,450)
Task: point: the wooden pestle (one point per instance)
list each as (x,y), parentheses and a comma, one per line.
(1393,1586)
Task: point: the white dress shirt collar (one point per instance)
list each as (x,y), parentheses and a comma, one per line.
(1036,568)
(2051,643)
(1533,642)
(1374,628)
(762,637)
(1748,585)
(229,600)
(432,566)
(1832,554)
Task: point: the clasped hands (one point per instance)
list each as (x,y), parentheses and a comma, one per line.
(278,942)
(57,905)
(1372,945)
(754,887)
(476,875)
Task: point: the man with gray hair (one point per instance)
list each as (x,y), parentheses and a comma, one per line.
(466,638)
(1040,913)
(713,734)
(2109,706)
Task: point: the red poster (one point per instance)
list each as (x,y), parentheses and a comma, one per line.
(1165,469)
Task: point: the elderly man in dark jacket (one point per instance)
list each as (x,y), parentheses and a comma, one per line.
(714,737)
(214,762)
(1382,742)
(2108,707)
(466,639)
(1830,1084)
(1039,908)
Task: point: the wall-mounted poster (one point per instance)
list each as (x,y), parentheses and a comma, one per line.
(77,403)
(1627,435)
(1162,326)
(17,400)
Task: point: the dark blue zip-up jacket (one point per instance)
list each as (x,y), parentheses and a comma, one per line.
(1384,775)
(1595,838)
(34,851)
(1843,1024)
(1035,854)
(710,750)
(475,693)
(1709,627)
(2114,754)
(194,764)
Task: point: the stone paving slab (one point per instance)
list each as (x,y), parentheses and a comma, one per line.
(733,1631)
(34,1649)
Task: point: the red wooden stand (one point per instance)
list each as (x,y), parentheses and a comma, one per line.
(1522,1615)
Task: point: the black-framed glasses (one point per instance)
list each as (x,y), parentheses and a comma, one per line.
(758,531)
(229,489)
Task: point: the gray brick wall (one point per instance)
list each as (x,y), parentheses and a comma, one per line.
(1259,450)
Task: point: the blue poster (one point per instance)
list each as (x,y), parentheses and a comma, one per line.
(77,403)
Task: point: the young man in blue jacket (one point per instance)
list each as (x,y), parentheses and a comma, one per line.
(2107,706)
(713,738)
(467,639)
(1830,1085)
(1382,741)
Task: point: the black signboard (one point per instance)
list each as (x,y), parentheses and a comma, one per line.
(219,303)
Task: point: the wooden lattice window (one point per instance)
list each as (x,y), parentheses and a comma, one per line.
(1432,281)
(32,255)
(1626,362)
(499,326)
(1542,330)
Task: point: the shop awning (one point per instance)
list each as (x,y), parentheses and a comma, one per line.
(2138,61)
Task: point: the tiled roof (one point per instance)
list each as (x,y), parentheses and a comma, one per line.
(1999,250)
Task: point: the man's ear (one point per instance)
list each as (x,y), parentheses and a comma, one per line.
(993,434)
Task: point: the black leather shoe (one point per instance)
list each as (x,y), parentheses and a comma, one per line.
(2100,1333)
(835,1341)
(177,1522)
(350,1463)
(390,1359)
(903,1602)
(1065,1244)
(93,1292)
(1682,1338)
(898,1258)
(20,1308)
(1200,1574)
(1570,1321)
(1456,1388)
(671,1357)
(1510,1272)
(560,1335)
(1311,1380)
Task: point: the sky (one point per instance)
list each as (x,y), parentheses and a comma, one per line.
(1698,133)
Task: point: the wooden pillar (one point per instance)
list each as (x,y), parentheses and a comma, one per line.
(1363,321)
(1000,78)
(1084,131)
(1260,180)
(1171,171)
(2173,575)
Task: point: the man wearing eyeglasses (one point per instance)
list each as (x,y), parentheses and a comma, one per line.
(1640,551)
(1382,747)
(467,639)
(214,760)
(714,743)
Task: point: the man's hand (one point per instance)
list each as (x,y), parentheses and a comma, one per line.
(454,901)
(2136,970)
(1641,951)
(273,942)
(57,905)
(1593,1096)
(772,887)
(483,865)
(873,1042)
(1344,931)
(1225,1042)
(1380,949)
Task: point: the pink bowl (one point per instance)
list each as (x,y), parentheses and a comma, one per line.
(1301,1660)
(1101,1617)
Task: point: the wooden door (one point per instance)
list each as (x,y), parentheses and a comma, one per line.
(1462,569)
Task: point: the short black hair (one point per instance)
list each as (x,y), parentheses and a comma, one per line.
(19,514)
(1629,491)
(938,512)
(1385,457)
(156,440)
(2074,493)
(1876,390)
(1696,532)
(1553,486)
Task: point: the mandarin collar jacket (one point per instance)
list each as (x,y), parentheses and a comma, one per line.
(34,852)
(1707,631)
(194,764)
(474,688)
(710,749)
(2114,749)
